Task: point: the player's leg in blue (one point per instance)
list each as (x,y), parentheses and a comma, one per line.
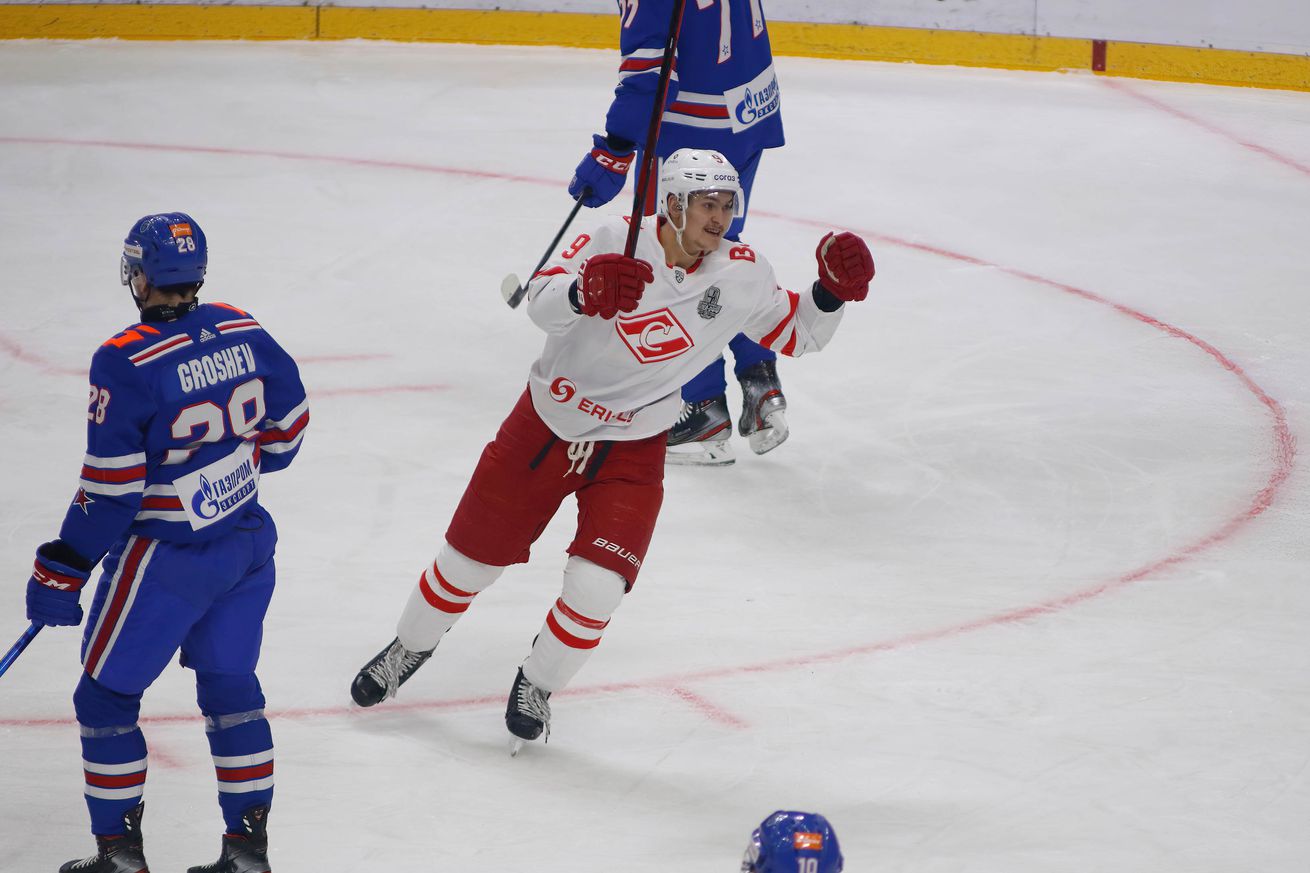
(223,648)
(130,637)
(114,764)
(763,407)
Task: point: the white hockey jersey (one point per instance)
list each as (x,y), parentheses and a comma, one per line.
(620,378)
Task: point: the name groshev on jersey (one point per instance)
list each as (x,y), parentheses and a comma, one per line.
(211,369)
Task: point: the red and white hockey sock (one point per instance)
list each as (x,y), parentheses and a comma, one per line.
(574,624)
(442,595)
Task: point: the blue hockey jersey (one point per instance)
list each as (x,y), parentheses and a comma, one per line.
(183,417)
(723,94)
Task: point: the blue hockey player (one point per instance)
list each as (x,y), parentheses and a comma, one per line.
(723,95)
(187,408)
(793,842)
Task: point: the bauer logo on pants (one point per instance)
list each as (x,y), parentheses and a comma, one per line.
(654,336)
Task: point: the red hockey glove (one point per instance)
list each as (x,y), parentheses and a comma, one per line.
(845,266)
(610,284)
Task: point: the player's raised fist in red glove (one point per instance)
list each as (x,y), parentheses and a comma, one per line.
(845,265)
(610,284)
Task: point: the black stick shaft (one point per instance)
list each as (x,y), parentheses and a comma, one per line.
(517,297)
(649,160)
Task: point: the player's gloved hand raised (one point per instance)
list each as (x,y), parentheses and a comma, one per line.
(609,284)
(603,171)
(845,266)
(55,588)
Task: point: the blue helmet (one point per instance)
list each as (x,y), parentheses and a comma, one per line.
(168,249)
(793,842)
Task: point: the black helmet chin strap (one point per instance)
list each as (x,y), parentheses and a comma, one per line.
(167,311)
(163,311)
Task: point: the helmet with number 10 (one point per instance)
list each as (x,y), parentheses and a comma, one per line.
(695,171)
(793,842)
(166,250)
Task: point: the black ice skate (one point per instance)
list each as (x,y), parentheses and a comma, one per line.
(381,677)
(119,853)
(246,852)
(528,714)
(763,408)
(700,435)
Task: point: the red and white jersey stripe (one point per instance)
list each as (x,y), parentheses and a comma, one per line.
(239,774)
(287,432)
(646,60)
(237,325)
(119,599)
(159,349)
(699,110)
(572,628)
(114,781)
(161,502)
(114,476)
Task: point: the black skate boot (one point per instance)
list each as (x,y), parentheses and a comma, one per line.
(763,408)
(381,677)
(118,853)
(528,714)
(243,853)
(700,435)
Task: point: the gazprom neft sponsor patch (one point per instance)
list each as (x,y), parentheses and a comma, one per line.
(217,367)
(216,491)
(755,101)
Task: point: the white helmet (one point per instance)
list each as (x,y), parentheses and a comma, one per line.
(689,171)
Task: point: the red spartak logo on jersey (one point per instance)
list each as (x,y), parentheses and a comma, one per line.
(654,336)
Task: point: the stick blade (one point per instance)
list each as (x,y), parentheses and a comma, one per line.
(512,290)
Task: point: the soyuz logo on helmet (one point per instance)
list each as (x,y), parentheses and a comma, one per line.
(654,336)
(805,842)
(183,229)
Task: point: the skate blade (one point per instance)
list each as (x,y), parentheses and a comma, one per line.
(709,453)
(516,745)
(773,434)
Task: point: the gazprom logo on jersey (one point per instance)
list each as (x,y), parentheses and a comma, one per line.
(216,491)
(216,497)
(755,101)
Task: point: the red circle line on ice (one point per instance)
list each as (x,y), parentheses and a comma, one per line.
(1283,452)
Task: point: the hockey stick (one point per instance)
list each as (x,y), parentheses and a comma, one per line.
(17,648)
(510,287)
(649,160)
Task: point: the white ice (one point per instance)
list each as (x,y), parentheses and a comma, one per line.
(1025,592)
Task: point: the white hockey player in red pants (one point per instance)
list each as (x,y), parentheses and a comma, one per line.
(622,336)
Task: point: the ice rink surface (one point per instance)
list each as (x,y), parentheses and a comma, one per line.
(1025,592)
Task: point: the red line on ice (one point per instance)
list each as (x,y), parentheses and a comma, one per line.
(1283,452)
(1123,88)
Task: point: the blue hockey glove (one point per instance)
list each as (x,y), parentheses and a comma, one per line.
(55,588)
(603,171)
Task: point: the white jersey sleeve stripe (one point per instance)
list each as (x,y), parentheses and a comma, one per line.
(115,462)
